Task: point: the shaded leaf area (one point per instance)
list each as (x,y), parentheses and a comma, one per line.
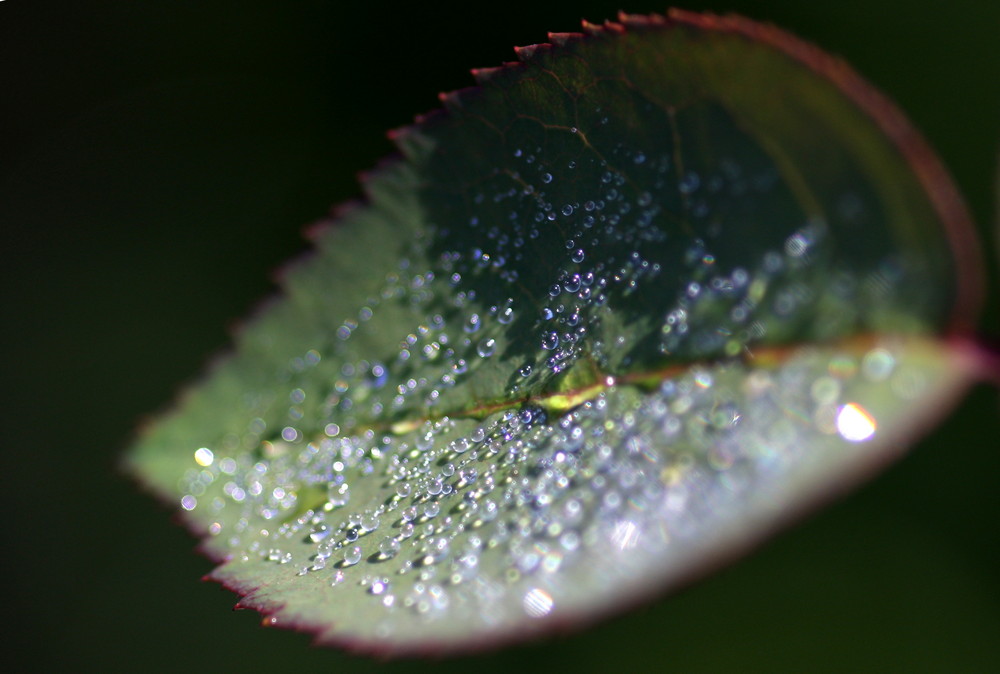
(616,314)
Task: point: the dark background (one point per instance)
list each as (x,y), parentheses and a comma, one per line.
(158,159)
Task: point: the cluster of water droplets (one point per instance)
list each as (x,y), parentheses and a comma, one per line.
(485,521)
(597,254)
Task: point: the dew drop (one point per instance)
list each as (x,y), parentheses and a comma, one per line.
(388,547)
(338,494)
(473,324)
(573,283)
(506,314)
(487,348)
(320,533)
(352,556)
(370,521)
(689,183)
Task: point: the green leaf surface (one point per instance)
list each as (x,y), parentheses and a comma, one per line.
(616,314)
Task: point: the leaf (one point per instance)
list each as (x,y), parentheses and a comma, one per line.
(617,313)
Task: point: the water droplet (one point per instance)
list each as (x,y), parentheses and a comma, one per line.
(338,494)
(550,340)
(506,313)
(486,348)
(370,521)
(473,324)
(689,183)
(320,533)
(352,556)
(388,547)
(573,283)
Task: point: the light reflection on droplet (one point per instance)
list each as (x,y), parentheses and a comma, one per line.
(204,456)
(537,603)
(854,423)
(625,534)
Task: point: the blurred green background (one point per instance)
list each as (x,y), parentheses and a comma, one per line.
(158,159)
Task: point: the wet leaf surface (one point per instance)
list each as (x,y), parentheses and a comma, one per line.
(615,315)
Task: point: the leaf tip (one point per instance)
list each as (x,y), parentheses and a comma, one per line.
(484,75)
(562,39)
(528,52)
